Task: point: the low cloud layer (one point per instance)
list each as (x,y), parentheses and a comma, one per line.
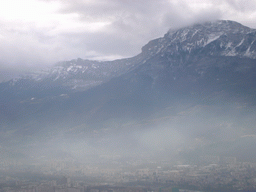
(41,32)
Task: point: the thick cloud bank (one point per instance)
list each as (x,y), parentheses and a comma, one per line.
(41,32)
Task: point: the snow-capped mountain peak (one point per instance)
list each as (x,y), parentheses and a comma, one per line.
(214,39)
(226,38)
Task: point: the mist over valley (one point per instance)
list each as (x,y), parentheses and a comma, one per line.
(187,99)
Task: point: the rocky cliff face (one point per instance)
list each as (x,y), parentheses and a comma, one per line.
(220,38)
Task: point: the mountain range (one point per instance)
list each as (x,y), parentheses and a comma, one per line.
(189,92)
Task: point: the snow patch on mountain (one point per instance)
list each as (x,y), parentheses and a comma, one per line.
(212,37)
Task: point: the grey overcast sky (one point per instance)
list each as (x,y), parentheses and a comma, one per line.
(35,33)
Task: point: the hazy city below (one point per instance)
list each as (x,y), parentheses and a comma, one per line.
(212,173)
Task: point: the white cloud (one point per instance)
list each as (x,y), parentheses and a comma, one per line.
(39,32)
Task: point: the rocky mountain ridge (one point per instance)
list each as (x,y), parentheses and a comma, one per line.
(223,38)
(195,80)
(208,58)
(220,38)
